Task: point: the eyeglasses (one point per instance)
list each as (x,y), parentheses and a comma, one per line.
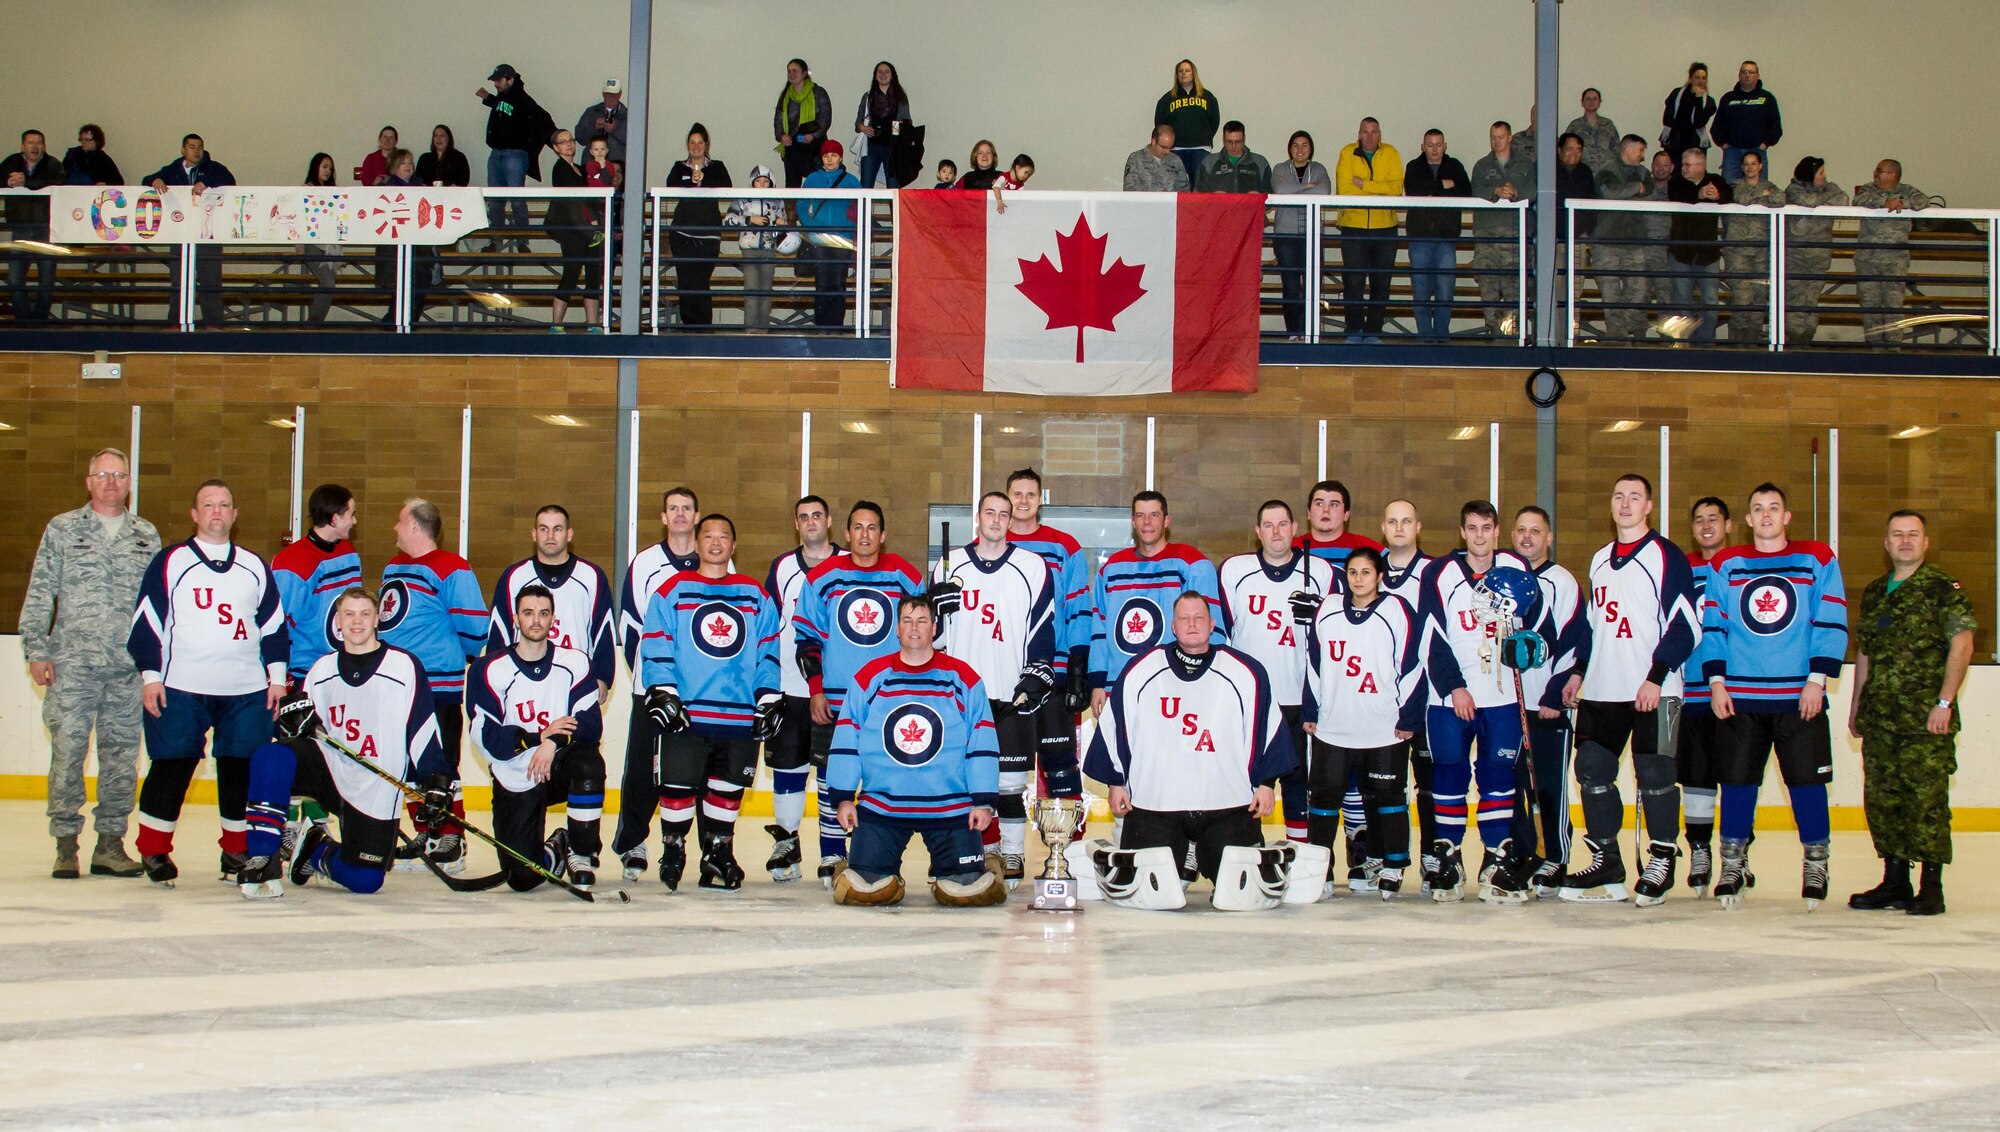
(109,477)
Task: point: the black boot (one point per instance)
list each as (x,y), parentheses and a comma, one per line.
(1930,891)
(1893,892)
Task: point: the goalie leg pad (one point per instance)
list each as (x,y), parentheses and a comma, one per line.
(1305,881)
(850,888)
(1080,867)
(1148,879)
(987,890)
(1251,878)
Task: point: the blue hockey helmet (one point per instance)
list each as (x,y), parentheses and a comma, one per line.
(1508,593)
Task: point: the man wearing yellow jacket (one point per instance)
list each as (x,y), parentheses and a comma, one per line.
(1367,167)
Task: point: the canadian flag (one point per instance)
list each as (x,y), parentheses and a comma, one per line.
(1088,294)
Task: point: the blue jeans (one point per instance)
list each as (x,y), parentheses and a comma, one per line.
(875,849)
(870,162)
(1732,162)
(241,724)
(1192,158)
(1691,280)
(507,169)
(1433,278)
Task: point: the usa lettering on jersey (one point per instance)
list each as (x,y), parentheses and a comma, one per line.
(1364,681)
(584,618)
(209,626)
(1257,614)
(1204,743)
(1005,617)
(386,717)
(1461,650)
(1643,624)
(511,699)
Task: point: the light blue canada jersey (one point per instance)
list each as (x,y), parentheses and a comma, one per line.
(715,642)
(1774,619)
(1069,570)
(1133,603)
(847,617)
(916,744)
(310,578)
(433,609)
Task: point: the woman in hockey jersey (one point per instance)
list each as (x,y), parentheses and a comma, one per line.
(1364,699)
(375,700)
(535,718)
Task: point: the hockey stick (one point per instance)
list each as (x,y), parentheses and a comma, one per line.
(415,796)
(456,884)
(1528,753)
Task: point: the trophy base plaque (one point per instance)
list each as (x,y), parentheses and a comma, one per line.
(1055,894)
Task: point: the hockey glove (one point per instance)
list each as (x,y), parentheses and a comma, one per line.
(1524,650)
(1076,695)
(1037,684)
(664,706)
(1305,606)
(296,719)
(768,720)
(436,808)
(946,598)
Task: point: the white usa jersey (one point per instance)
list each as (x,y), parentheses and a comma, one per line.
(209,626)
(785,580)
(1363,682)
(1562,626)
(585,618)
(1190,733)
(379,706)
(506,695)
(1643,621)
(1460,650)
(1006,615)
(1407,583)
(1257,614)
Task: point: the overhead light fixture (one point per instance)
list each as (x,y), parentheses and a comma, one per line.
(1008,430)
(862,427)
(560,420)
(285,423)
(1912,432)
(1622,426)
(1468,432)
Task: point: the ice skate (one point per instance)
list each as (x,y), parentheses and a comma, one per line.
(1657,877)
(785,856)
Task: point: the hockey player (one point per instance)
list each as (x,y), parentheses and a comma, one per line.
(432,607)
(1694,748)
(536,717)
(1364,698)
(1643,627)
(847,617)
(1268,597)
(914,753)
(1192,749)
(639,792)
(584,618)
(1133,592)
(1404,562)
(373,699)
(209,641)
(996,608)
(1328,507)
(1472,698)
(709,661)
(1069,572)
(1548,724)
(311,572)
(1775,617)
(793,753)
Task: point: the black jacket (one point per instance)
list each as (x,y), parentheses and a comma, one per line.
(209,172)
(94,167)
(1576,184)
(699,216)
(1435,223)
(1683,119)
(31,211)
(514,120)
(1747,120)
(453,170)
(1694,236)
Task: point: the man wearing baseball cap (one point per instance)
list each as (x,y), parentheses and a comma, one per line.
(606,118)
(516,130)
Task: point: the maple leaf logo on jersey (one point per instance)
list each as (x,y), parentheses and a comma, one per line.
(912,733)
(865,617)
(1082,293)
(720,630)
(1135,625)
(1767,604)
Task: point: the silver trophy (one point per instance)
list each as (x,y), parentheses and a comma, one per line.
(1055,888)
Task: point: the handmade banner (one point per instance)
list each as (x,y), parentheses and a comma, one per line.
(1093,294)
(131,214)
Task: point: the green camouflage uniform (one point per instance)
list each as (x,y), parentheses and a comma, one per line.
(1808,252)
(1619,253)
(1600,144)
(77,614)
(1883,248)
(1497,263)
(1906,770)
(1748,268)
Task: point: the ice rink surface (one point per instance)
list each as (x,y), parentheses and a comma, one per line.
(123,1005)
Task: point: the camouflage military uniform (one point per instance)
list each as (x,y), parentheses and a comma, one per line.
(1906,770)
(76,615)
(1748,268)
(1600,143)
(1808,252)
(1884,249)
(1619,255)
(1496,260)
(1658,229)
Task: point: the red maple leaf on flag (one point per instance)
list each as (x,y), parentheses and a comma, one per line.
(1082,293)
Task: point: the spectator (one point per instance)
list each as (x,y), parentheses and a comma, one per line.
(880,118)
(442,163)
(1746,121)
(1808,247)
(1747,255)
(695,235)
(1658,227)
(1574,181)
(198,170)
(606,118)
(32,168)
(1433,235)
(1236,169)
(516,130)
(86,163)
(1618,255)
(402,172)
(1017,175)
(375,166)
(321,261)
(1692,242)
(758,246)
(829,248)
(1194,112)
(1503,174)
(1368,166)
(1524,142)
(985,167)
(1882,254)
(1155,167)
(568,223)
(800,123)
(1299,175)
(1599,134)
(1684,122)
(599,170)
(947,174)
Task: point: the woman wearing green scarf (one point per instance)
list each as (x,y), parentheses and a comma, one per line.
(804,113)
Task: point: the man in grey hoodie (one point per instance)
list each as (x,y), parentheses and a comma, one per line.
(1234,168)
